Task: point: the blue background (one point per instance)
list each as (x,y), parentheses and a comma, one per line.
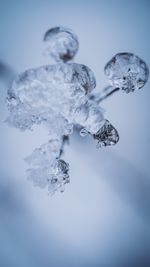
(102,219)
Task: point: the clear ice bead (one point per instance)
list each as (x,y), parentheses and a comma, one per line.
(127,72)
(107,135)
(61,43)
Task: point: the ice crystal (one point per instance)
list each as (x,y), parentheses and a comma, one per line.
(61,43)
(61,96)
(127,72)
(107,135)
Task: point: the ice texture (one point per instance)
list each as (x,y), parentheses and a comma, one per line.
(61,96)
(107,135)
(57,96)
(61,43)
(46,92)
(47,169)
(127,72)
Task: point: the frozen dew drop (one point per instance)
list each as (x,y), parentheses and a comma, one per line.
(61,43)
(127,72)
(107,135)
(62,168)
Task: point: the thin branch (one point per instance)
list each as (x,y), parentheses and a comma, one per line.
(106,92)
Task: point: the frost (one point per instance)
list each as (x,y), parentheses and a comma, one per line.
(54,91)
(58,96)
(61,97)
(47,170)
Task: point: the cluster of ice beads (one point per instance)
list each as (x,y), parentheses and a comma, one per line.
(59,96)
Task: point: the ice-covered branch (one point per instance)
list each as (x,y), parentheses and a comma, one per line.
(61,96)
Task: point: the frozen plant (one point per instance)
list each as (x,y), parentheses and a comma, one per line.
(61,97)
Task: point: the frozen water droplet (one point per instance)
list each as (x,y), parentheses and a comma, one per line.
(83,132)
(107,135)
(62,167)
(127,71)
(61,43)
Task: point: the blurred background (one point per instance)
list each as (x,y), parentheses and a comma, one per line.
(103,217)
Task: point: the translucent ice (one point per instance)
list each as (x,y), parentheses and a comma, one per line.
(127,72)
(46,92)
(47,169)
(107,135)
(89,116)
(60,97)
(61,43)
(57,96)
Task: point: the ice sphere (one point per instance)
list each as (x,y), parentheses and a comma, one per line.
(127,72)
(107,135)
(61,43)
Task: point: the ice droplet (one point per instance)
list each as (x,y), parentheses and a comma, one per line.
(127,71)
(61,43)
(107,135)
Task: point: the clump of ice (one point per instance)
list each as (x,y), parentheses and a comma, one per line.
(58,96)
